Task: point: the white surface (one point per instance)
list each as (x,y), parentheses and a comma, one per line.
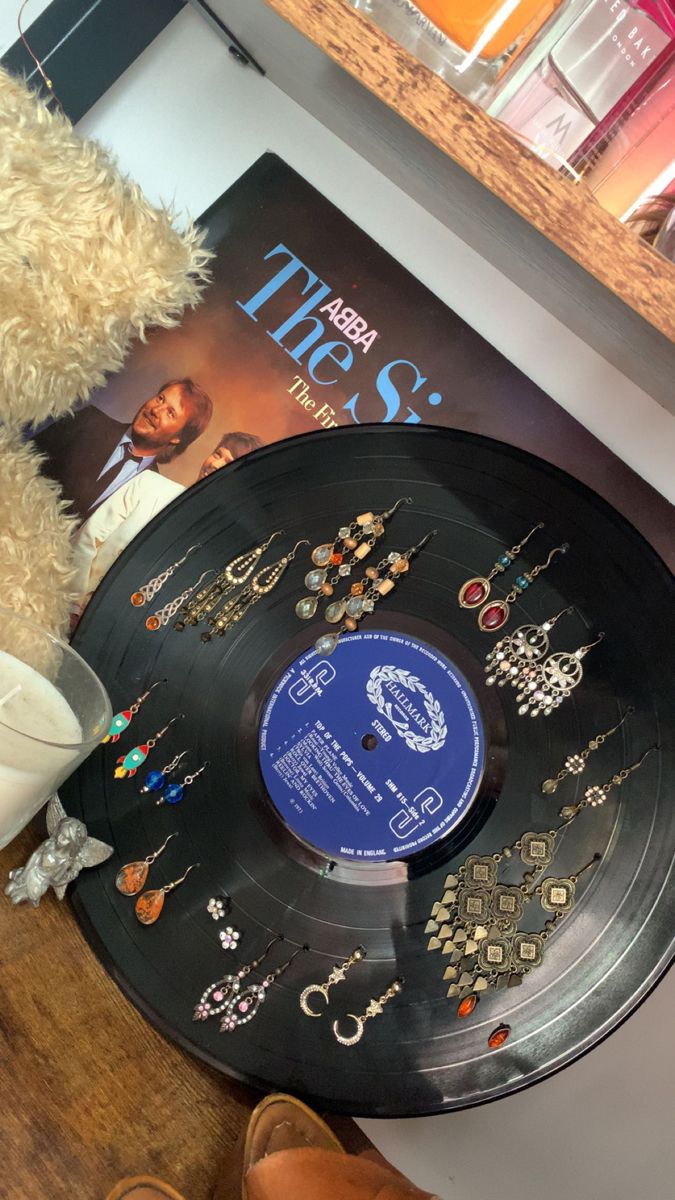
(9,11)
(600,1130)
(186,121)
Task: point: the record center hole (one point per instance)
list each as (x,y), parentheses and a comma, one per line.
(369,741)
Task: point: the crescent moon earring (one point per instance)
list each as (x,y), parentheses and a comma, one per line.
(336,976)
(373,1010)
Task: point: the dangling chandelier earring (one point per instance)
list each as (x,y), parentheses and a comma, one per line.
(262,583)
(232,576)
(356,541)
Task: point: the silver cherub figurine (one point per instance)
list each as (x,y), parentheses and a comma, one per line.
(58,860)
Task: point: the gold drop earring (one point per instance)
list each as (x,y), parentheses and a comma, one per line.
(262,583)
(232,576)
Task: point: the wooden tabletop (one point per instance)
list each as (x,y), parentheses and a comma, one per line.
(91,1092)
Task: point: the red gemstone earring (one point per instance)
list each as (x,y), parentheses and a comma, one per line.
(149,905)
(495,614)
(146,593)
(130,880)
(476,590)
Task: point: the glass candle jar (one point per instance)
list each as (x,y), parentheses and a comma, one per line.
(53,712)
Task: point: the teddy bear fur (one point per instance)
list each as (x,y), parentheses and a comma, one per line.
(35,557)
(86,265)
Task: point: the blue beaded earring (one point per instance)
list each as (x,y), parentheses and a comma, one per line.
(155,780)
(174,792)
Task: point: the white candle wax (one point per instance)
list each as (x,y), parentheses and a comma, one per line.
(40,739)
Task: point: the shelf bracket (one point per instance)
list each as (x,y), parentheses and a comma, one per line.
(236,48)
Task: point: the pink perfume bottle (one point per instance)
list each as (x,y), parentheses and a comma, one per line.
(630,158)
(603,57)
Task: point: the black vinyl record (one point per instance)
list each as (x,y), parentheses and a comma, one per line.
(417,1057)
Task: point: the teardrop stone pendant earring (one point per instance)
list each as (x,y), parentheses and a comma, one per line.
(130,880)
(349,547)
(476,590)
(148,907)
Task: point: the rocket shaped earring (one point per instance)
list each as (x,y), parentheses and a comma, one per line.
(123,719)
(128,764)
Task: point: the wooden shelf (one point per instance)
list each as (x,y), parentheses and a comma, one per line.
(563,212)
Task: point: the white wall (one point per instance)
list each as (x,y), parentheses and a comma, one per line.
(186,121)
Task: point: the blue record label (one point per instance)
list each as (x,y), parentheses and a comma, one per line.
(374,753)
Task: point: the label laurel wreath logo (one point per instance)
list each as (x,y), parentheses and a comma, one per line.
(415,741)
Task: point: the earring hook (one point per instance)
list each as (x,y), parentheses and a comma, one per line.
(390,511)
(170,886)
(302,542)
(151,857)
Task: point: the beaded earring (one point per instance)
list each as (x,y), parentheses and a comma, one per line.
(495,613)
(475,591)
(173,793)
(353,608)
(349,547)
(155,780)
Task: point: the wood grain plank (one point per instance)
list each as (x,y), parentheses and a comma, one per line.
(564,213)
(92,1092)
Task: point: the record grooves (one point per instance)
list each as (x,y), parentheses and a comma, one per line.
(416,1057)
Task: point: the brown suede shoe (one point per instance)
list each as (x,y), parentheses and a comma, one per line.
(279,1122)
(143,1187)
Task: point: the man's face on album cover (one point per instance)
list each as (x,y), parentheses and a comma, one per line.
(220,458)
(161,420)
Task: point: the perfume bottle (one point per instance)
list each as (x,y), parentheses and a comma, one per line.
(471,44)
(630,159)
(600,59)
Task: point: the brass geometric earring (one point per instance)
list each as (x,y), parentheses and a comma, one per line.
(575,764)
